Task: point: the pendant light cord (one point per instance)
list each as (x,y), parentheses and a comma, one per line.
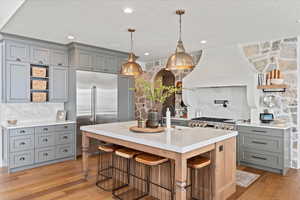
(131,43)
(180,27)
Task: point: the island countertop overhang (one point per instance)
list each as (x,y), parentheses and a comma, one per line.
(180,139)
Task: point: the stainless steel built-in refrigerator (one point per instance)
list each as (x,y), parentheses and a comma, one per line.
(96,101)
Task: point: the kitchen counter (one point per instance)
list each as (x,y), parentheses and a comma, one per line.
(35,124)
(269,125)
(179,139)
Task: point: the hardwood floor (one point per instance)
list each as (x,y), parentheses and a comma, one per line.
(64,181)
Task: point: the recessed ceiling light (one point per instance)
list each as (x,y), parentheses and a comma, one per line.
(147,54)
(128,10)
(203,41)
(71,37)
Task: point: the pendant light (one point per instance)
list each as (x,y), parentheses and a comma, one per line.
(131,68)
(180,59)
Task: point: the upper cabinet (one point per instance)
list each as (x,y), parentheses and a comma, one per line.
(18,82)
(58,88)
(58,57)
(18,55)
(39,55)
(95,59)
(85,59)
(16,51)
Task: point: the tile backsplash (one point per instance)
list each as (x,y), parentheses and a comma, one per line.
(237,107)
(28,112)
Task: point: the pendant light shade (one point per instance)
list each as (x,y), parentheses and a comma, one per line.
(131,68)
(180,60)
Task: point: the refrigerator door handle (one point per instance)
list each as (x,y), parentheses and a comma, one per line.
(93,104)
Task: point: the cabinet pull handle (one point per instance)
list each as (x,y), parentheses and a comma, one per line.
(65,126)
(18,59)
(22,143)
(59,64)
(65,150)
(258,142)
(45,154)
(260,158)
(45,129)
(22,131)
(258,131)
(22,158)
(65,137)
(45,140)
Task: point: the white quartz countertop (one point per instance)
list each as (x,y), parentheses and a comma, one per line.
(35,124)
(269,125)
(179,139)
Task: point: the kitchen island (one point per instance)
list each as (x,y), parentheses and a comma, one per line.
(179,144)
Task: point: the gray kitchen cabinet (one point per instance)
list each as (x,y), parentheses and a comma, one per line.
(39,55)
(85,58)
(17,82)
(99,62)
(125,98)
(58,87)
(30,147)
(264,148)
(58,57)
(17,51)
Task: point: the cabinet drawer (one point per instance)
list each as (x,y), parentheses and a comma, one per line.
(40,55)
(21,143)
(17,51)
(44,140)
(261,131)
(64,138)
(64,151)
(262,159)
(258,142)
(20,159)
(21,131)
(44,154)
(64,127)
(44,129)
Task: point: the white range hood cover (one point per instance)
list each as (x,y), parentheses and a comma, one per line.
(222,67)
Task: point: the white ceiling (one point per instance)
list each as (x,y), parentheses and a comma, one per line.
(102,22)
(7,9)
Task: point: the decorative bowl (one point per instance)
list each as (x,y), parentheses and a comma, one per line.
(277,81)
(12,121)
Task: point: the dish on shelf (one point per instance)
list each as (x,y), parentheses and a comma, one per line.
(277,81)
(12,121)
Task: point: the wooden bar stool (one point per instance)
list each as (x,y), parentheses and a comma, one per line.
(200,178)
(163,191)
(106,166)
(122,163)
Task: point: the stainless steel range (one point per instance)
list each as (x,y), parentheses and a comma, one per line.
(207,122)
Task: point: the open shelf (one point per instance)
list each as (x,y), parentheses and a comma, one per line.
(273,88)
(282,86)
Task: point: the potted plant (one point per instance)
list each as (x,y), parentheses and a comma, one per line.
(157,94)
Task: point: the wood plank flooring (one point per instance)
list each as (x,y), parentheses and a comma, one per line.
(63,181)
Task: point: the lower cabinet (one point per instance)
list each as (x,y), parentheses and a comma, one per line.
(264,148)
(31,147)
(44,154)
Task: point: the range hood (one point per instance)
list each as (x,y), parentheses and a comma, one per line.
(222,67)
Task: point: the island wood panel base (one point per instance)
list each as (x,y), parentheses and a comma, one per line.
(223,158)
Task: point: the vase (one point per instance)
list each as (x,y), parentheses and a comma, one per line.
(153,119)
